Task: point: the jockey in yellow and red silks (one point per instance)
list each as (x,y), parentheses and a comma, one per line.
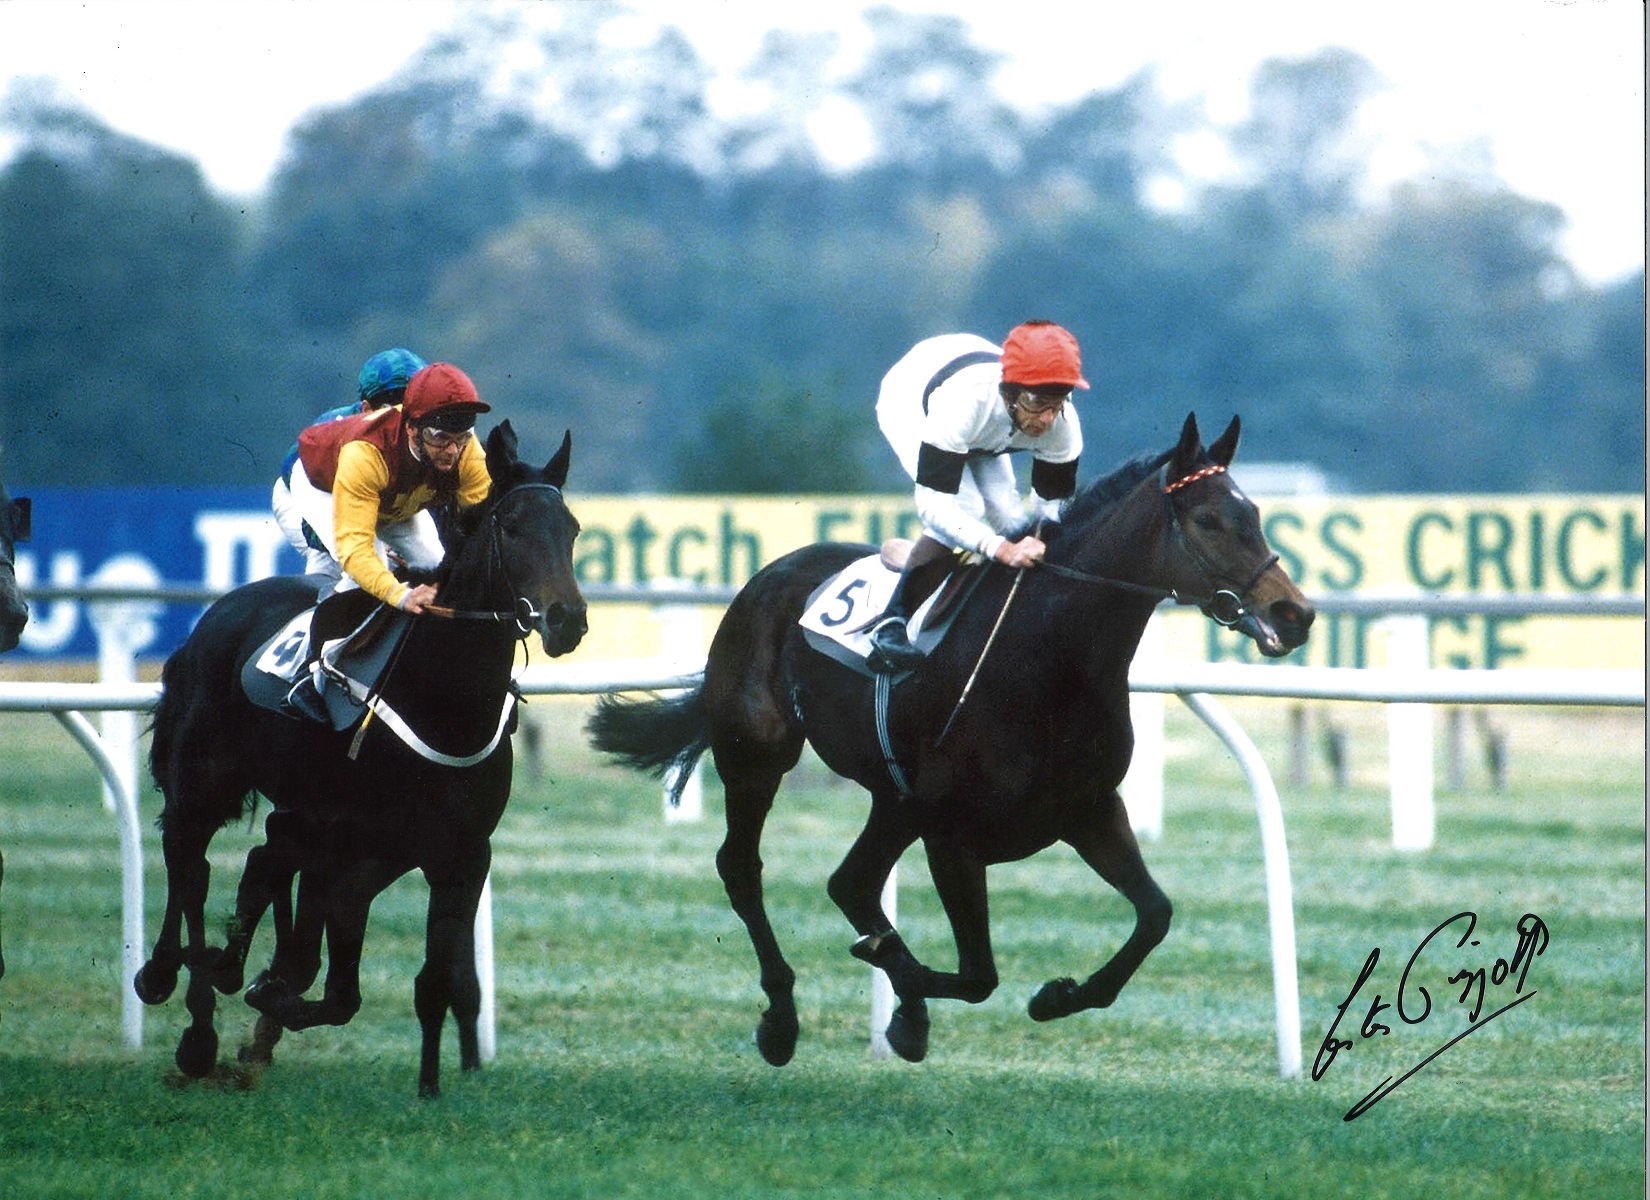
(362,480)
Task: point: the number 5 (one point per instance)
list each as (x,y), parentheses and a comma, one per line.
(846,595)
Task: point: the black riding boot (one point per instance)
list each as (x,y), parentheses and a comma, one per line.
(891,648)
(335,616)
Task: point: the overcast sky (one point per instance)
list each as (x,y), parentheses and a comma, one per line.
(1554,88)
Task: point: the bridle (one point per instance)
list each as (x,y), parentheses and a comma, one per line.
(1224,606)
(523,614)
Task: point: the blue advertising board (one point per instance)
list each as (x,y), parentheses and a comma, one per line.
(215,538)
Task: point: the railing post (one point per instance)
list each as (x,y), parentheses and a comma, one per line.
(123,628)
(1280,894)
(1143,786)
(486,1019)
(882,992)
(1409,739)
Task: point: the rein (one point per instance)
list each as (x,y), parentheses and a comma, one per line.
(523,615)
(1224,606)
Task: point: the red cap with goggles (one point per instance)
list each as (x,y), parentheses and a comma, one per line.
(442,396)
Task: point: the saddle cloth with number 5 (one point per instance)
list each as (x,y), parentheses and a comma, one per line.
(843,610)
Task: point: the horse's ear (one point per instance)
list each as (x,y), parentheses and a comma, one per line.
(556,469)
(1191,445)
(501,450)
(1224,447)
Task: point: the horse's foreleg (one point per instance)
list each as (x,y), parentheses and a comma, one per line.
(298,931)
(347,901)
(749,797)
(448,979)
(266,881)
(1107,843)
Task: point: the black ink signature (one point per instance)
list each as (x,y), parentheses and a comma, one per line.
(1414,1002)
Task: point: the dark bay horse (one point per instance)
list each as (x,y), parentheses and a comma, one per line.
(1034,756)
(14,614)
(356,810)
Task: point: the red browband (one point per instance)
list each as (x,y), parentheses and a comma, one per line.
(1193,478)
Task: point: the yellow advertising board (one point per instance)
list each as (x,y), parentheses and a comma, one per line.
(1488,545)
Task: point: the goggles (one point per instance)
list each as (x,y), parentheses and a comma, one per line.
(1042,403)
(442,439)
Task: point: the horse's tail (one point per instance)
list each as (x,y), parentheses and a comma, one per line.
(656,736)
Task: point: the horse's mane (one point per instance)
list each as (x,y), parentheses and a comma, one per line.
(1094,501)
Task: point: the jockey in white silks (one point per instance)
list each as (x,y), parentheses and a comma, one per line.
(953,409)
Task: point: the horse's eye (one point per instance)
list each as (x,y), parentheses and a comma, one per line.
(1210,521)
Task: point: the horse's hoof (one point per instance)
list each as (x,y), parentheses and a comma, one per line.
(907,1034)
(266,1034)
(197,1052)
(267,993)
(776,1038)
(429,1089)
(153,985)
(1056,998)
(227,975)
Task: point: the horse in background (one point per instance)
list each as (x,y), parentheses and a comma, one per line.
(15,520)
(421,786)
(1034,756)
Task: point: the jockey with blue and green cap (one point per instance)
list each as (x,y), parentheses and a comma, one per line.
(382,383)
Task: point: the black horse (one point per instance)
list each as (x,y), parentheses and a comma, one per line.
(355,810)
(14,614)
(1035,755)
(14,528)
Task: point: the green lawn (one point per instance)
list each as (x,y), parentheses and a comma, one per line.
(627,994)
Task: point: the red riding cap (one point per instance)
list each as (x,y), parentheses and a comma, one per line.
(441,387)
(1042,354)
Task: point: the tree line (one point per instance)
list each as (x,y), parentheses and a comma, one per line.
(709,304)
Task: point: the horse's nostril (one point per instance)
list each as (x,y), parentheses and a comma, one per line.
(1288,614)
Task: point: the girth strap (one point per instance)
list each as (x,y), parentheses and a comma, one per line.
(885,685)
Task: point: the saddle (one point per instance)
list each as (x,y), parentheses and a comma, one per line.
(841,612)
(352,663)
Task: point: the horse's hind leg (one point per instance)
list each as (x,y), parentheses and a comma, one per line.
(188,876)
(856,885)
(1106,842)
(749,798)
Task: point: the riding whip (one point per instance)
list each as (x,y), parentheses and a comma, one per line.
(1019,577)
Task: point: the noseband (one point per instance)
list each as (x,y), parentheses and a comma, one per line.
(523,614)
(1224,606)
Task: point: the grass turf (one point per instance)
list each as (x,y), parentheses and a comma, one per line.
(627,995)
